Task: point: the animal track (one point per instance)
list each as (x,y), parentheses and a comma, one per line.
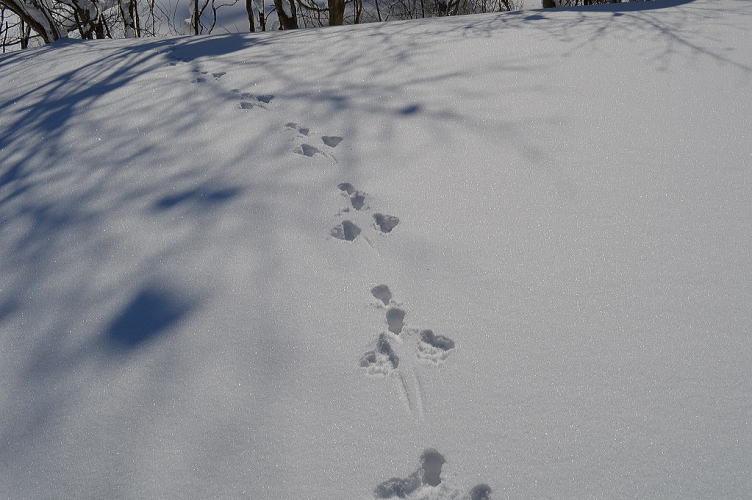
(200,79)
(385,223)
(178,60)
(298,128)
(331,140)
(433,347)
(428,476)
(428,347)
(382,360)
(248,100)
(357,198)
(395,319)
(480,492)
(346,187)
(382,222)
(345,231)
(382,293)
(436,341)
(265,98)
(307,150)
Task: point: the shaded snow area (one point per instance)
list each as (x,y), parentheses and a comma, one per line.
(496,256)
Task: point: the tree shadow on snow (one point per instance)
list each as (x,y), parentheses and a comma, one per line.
(624,6)
(55,216)
(153,312)
(678,32)
(202,197)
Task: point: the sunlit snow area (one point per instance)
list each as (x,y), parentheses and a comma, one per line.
(475,257)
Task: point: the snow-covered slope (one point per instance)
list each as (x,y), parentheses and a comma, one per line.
(180,318)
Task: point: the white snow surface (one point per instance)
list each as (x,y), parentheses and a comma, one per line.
(574,195)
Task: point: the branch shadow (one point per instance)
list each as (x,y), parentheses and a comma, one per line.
(151,313)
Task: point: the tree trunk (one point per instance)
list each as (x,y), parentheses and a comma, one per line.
(549,4)
(126,13)
(336,12)
(196,21)
(287,20)
(136,18)
(99,28)
(249,11)
(37,15)
(358,8)
(25,35)
(87,16)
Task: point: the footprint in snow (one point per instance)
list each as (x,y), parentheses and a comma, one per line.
(218,75)
(382,360)
(200,75)
(331,140)
(432,347)
(307,150)
(346,187)
(381,222)
(385,223)
(345,231)
(480,492)
(395,319)
(382,293)
(298,128)
(265,98)
(249,101)
(426,483)
(428,474)
(178,60)
(357,198)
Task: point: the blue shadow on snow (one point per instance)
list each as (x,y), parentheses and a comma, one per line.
(151,313)
(198,196)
